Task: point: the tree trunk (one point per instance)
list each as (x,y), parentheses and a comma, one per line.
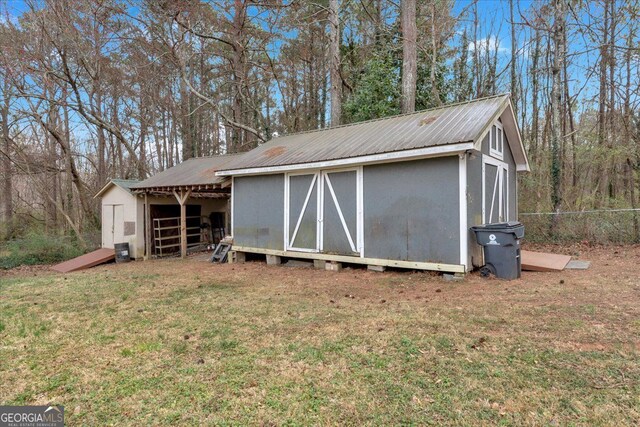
(409,55)
(533,150)
(613,177)
(239,73)
(435,91)
(185,111)
(514,58)
(334,63)
(556,102)
(7,187)
(603,178)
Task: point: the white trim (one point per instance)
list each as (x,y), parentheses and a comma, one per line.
(288,242)
(512,124)
(417,153)
(360,209)
(464,232)
(498,189)
(497,152)
(449,268)
(484,172)
(320,214)
(286,211)
(232,202)
(337,205)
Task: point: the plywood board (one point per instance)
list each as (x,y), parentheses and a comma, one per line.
(89,260)
(540,261)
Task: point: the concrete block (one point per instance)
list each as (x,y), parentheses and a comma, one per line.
(319,264)
(378,268)
(298,263)
(578,265)
(333,266)
(241,257)
(274,260)
(457,277)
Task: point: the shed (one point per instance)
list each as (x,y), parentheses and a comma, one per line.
(122,211)
(400,191)
(190,188)
(185,206)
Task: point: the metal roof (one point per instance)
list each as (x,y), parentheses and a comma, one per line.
(450,124)
(191,172)
(125,184)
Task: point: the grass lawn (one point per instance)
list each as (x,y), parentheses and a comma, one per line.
(189,343)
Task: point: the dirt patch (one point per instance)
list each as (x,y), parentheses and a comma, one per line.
(27,270)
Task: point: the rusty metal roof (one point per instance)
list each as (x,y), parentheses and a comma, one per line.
(191,172)
(450,124)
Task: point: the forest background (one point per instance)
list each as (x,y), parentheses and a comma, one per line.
(97,89)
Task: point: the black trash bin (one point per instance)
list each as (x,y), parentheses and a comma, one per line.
(122,252)
(501,242)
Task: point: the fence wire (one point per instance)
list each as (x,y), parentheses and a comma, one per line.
(620,226)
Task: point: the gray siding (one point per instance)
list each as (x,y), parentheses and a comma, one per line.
(258,211)
(411,211)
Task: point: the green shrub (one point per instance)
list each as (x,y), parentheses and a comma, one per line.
(37,248)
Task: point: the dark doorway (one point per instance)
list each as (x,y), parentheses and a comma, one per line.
(165,226)
(217,220)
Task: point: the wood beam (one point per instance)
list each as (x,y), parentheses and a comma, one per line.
(147,228)
(182,199)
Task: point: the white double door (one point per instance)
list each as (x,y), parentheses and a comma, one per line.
(112,225)
(495,190)
(323,212)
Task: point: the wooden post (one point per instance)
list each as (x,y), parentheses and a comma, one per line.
(182,200)
(183,230)
(147,228)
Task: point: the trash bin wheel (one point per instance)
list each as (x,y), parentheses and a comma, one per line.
(487,271)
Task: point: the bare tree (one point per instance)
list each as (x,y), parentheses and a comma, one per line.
(409,55)
(334,63)
(556,104)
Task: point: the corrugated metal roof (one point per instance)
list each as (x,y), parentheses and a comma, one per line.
(194,171)
(451,124)
(125,184)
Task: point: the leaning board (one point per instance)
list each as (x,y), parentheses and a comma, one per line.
(540,261)
(86,261)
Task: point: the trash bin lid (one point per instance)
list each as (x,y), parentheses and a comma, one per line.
(500,225)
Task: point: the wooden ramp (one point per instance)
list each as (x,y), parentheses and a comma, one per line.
(540,261)
(86,261)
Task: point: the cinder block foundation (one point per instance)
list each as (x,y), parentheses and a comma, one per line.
(333,266)
(319,264)
(274,260)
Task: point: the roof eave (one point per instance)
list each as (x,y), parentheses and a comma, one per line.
(103,189)
(394,156)
(510,124)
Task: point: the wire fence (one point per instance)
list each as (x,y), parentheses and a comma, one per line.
(621,226)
